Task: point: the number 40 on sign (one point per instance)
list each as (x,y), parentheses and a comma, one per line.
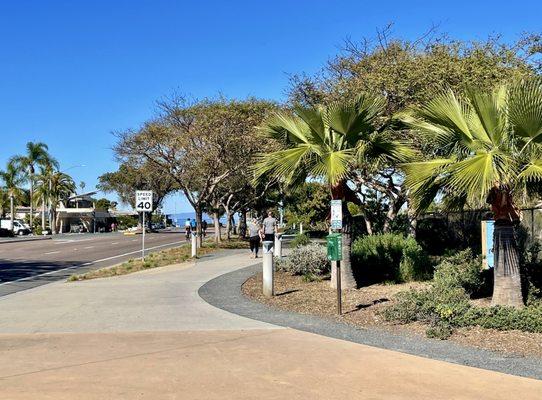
(143,200)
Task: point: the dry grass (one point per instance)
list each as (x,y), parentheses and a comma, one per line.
(361,307)
(158,259)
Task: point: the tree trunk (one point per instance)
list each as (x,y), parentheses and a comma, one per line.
(368,225)
(392,213)
(43,212)
(31,201)
(347,275)
(507,278)
(412,222)
(53,222)
(199,232)
(243,224)
(216,219)
(228,224)
(11,211)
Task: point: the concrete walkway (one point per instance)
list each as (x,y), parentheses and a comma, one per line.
(149,336)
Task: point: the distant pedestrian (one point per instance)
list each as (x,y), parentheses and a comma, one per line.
(204,228)
(255,234)
(270,227)
(193,225)
(187,228)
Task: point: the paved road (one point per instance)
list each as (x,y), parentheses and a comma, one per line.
(30,264)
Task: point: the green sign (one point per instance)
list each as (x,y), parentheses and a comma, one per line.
(334,247)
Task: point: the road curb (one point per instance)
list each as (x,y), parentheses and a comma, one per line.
(224,292)
(29,239)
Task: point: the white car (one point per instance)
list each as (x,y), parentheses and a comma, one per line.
(19,227)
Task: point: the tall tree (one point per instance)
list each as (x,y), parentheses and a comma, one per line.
(13,180)
(55,186)
(327,143)
(486,147)
(199,144)
(36,155)
(132,176)
(409,73)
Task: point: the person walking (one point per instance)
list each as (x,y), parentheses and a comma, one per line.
(270,227)
(254,233)
(187,228)
(204,228)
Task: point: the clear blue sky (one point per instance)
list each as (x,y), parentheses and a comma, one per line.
(72,71)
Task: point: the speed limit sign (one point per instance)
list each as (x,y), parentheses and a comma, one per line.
(143,200)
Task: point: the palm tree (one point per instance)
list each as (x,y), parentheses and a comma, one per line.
(12,185)
(36,155)
(328,143)
(54,186)
(4,203)
(485,147)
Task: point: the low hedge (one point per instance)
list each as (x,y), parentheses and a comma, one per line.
(309,261)
(389,257)
(446,305)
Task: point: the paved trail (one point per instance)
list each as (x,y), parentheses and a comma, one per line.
(150,336)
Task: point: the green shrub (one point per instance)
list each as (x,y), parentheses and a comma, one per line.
(389,257)
(460,270)
(300,240)
(446,305)
(309,261)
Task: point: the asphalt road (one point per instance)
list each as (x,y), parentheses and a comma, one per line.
(28,264)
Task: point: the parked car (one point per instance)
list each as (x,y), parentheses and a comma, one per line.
(19,227)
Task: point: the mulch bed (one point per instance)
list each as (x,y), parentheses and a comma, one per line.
(361,308)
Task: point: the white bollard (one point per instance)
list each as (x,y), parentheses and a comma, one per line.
(268,270)
(194,245)
(301,228)
(277,249)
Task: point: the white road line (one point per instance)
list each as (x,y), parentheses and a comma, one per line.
(88,247)
(52,252)
(88,263)
(115,243)
(134,240)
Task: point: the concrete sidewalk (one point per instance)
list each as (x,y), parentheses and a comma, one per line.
(149,336)
(162,299)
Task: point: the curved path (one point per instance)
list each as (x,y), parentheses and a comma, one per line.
(150,336)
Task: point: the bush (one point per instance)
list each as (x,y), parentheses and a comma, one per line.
(461,270)
(446,303)
(310,261)
(300,240)
(389,257)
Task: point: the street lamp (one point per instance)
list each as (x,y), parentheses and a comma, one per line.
(50,188)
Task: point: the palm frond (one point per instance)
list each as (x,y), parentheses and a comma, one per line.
(525,109)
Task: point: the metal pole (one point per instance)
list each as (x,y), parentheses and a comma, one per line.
(143,239)
(339,292)
(268,270)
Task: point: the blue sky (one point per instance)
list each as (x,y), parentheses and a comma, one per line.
(71,72)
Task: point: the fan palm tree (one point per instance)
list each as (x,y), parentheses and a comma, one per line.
(4,203)
(328,143)
(54,186)
(486,147)
(13,180)
(36,155)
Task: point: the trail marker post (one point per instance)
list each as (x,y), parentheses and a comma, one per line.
(143,203)
(334,246)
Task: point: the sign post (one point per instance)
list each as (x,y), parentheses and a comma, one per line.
(334,246)
(334,253)
(143,203)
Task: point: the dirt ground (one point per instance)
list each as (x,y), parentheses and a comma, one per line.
(361,308)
